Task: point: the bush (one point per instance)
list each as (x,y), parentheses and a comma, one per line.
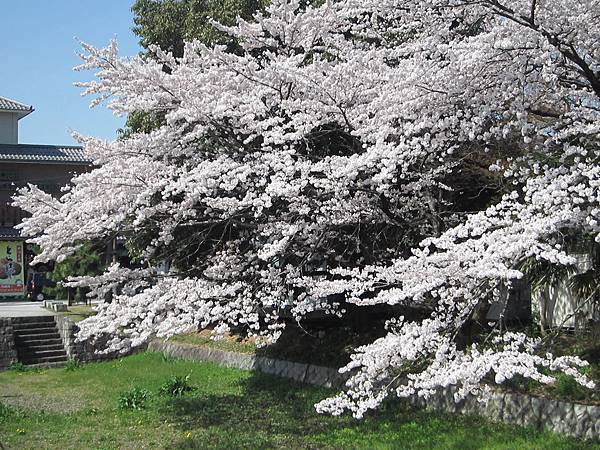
(566,386)
(72,364)
(18,367)
(135,398)
(177,386)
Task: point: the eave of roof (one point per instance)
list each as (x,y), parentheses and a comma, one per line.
(13,106)
(47,154)
(10,233)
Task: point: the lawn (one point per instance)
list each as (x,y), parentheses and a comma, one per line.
(78,312)
(79,409)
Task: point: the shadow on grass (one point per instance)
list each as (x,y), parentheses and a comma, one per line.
(274,413)
(268,413)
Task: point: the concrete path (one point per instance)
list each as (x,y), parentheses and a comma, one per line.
(23,309)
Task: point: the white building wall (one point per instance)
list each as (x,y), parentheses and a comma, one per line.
(558,306)
(9,128)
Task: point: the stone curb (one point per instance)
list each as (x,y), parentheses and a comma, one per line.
(582,421)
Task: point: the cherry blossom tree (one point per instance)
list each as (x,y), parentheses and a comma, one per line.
(341,135)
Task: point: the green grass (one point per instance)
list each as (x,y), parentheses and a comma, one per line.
(227,344)
(230,409)
(78,312)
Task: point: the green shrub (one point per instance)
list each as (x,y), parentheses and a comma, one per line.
(177,386)
(566,386)
(18,367)
(135,398)
(87,260)
(72,364)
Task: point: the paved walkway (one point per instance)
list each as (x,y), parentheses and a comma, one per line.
(23,309)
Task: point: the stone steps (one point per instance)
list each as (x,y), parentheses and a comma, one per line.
(26,338)
(33,360)
(26,325)
(32,319)
(43,352)
(36,331)
(38,342)
(42,346)
(47,365)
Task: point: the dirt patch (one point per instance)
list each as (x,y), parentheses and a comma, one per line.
(28,396)
(42,403)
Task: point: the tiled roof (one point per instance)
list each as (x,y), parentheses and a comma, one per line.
(7,104)
(43,153)
(9,233)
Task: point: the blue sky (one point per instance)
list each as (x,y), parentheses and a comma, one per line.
(38,46)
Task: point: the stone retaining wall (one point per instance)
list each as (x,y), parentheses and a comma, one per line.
(8,351)
(574,419)
(304,373)
(564,417)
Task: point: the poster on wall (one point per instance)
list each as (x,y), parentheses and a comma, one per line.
(11,268)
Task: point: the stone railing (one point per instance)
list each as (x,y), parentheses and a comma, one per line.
(573,419)
(8,351)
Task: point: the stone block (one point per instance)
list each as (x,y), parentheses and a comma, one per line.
(594,413)
(59,307)
(538,406)
(320,376)
(582,422)
(237,360)
(529,413)
(563,417)
(596,423)
(265,365)
(550,413)
(294,371)
(472,406)
(338,379)
(443,400)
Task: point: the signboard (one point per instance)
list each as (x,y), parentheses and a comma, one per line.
(12,268)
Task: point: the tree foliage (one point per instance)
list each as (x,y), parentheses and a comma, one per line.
(167,24)
(87,260)
(343,136)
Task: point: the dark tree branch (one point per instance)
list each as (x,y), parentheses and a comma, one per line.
(566,49)
(532,14)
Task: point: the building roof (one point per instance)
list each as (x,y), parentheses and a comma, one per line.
(7,104)
(53,154)
(9,233)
